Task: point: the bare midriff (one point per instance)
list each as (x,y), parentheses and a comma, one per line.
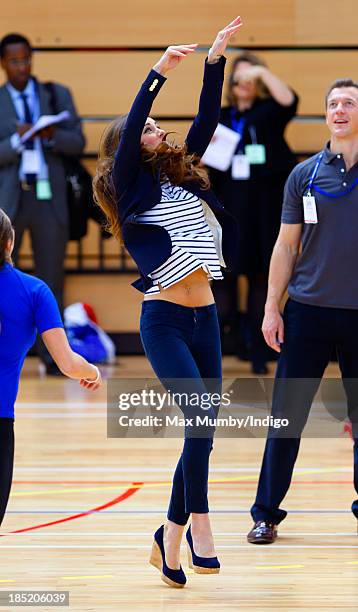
(194,290)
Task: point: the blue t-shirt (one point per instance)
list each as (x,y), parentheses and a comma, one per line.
(27,306)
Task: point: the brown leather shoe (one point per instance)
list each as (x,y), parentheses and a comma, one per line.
(262,532)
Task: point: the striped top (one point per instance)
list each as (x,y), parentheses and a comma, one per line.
(182,214)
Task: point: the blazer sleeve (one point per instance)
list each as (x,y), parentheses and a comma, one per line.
(128,154)
(207,118)
(68,138)
(8,155)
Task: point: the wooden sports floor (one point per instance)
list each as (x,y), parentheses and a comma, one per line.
(83,510)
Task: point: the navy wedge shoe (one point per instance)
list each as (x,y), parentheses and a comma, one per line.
(200,565)
(174,578)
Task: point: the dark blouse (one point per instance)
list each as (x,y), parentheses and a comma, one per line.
(269,118)
(256,203)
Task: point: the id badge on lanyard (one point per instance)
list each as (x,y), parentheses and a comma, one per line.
(31,161)
(309,209)
(309,201)
(240,166)
(255,153)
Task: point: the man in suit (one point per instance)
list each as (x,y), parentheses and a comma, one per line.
(32,176)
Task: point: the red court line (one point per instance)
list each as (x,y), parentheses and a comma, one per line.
(109,504)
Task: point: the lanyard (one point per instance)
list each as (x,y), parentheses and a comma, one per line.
(314,173)
(322,191)
(237,126)
(340,194)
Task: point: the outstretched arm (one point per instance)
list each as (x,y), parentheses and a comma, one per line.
(70,363)
(49,324)
(128,154)
(205,122)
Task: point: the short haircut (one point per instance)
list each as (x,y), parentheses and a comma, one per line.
(341,83)
(13,39)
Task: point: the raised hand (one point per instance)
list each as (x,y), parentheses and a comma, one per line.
(220,43)
(251,73)
(172,57)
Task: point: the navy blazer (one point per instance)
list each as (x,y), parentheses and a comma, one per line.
(138,187)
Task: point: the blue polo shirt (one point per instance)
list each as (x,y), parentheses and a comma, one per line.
(325,273)
(27,306)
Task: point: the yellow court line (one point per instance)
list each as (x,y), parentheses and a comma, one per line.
(156,484)
(265,567)
(351,562)
(303,472)
(86,577)
(7,581)
(111,488)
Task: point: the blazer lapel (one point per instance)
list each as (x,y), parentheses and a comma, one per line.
(44,100)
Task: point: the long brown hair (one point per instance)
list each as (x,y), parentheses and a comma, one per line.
(6,234)
(254,60)
(171,159)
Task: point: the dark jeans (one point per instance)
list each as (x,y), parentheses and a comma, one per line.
(6,462)
(311,335)
(184,343)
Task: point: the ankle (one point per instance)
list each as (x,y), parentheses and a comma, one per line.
(173,532)
(200,524)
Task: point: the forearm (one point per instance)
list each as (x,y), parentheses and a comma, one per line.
(70,363)
(210,96)
(77,367)
(277,88)
(207,118)
(283,261)
(128,154)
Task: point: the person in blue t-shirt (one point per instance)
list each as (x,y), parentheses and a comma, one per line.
(27,307)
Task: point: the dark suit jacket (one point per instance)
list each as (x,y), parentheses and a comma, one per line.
(68,140)
(138,189)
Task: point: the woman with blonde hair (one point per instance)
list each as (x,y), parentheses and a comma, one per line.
(157,197)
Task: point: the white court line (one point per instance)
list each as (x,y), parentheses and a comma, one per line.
(147,470)
(64,404)
(62,415)
(133,468)
(316,406)
(134,534)
(138,511)
(148,547)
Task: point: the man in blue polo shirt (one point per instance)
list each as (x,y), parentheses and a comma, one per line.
(320,213)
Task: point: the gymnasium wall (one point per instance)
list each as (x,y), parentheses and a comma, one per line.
(103,50)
